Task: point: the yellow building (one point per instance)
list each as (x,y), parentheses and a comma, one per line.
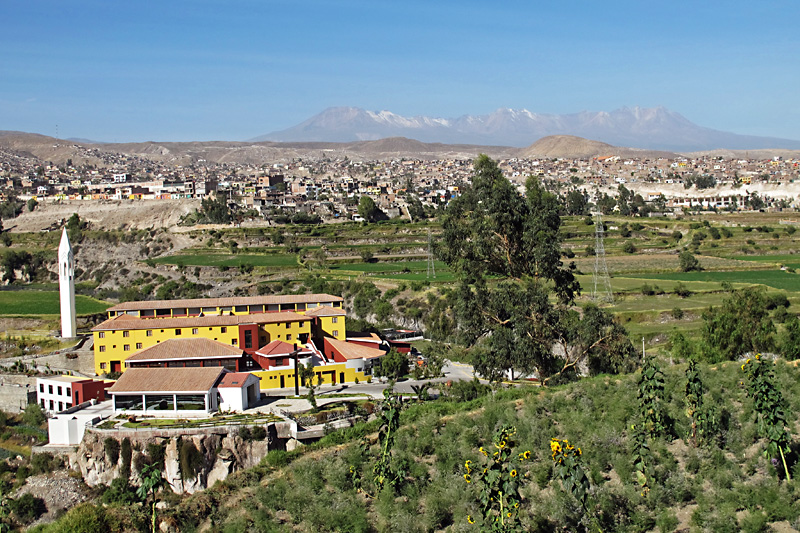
(118,338)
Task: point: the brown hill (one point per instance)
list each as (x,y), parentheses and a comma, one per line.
(571,147)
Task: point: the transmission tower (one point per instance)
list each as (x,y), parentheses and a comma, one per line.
(602,281)
(431,266)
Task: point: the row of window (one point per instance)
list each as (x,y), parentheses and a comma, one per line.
(149,332)
(53,405)
(59,388)
(127,347)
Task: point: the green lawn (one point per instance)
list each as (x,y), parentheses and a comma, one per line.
(28,302)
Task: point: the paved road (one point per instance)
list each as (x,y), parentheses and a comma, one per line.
(452,372)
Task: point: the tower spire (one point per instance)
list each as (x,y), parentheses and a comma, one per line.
(66,286)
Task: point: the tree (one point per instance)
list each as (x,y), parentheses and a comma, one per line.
(688,262)
(740,325)
(369,211)
(32,203)
(576,203)
(511,325)
(790,339)
(393,365)
(215,210)
(307,376)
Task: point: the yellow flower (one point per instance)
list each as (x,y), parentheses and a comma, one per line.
(758,356)
(508,515)
(467,478)
(484,452)
(470,519)
(579,451)
(513,473)
(516,505)
(742,367)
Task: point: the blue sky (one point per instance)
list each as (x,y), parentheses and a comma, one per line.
(116,70)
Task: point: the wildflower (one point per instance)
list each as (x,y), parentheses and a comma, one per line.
(508,514)
(467,478)
(579,451)
(513,473)
(484,452)
(516,505)
(501,444)
(467,464)
(758,356)
(470,519)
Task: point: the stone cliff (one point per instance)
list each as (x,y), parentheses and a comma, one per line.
(192,459)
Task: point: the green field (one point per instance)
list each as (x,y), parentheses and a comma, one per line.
(777,279)
(13,303)
(230,260)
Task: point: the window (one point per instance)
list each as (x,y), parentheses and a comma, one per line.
(288,336)
(102,348)
(194,331)
(50,389)
(41,387)
(223,329)
(68,392)
(335,333)
(138,345)
(248,338)
(149,333)
(177,332)
(235,342)
(288,324)
(51,405)
(126,347)
(59,391)
(334,320)
(101,335)
(126,333)
(279,361)
(60,406)
(102,366)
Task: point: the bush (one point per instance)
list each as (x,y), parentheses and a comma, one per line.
(465,391)
(28,508)
(688,262)
(127,452)
(85,518)
(43,463)
(677,313)
(33,415)
(120,492)
(111,446)
(629,248)
(682,291)
(259,433)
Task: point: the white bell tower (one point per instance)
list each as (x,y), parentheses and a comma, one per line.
(66,285)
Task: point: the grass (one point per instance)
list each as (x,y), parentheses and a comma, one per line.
(167,423)
(725,486)
(32,302)
(777,279)
(230,260)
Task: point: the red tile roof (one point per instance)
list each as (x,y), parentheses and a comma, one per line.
(227,302)
(325,310)
(193,348)
(235,379)
(122,322)
(166,380)
(349,350)
(278,348)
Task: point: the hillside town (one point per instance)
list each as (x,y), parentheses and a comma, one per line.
(330,187)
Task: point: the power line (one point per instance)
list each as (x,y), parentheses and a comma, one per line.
(431,266)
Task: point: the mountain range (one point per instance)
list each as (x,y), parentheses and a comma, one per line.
(654,128)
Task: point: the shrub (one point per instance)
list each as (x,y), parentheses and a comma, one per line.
(465,391)
(127,452)
(28,508)
(111,446)
(43,463)
(682,291)
(190,460)
(33,415)
(85,518)
(677,313)
(629,248)
(688,262)
(259,433)
(120,492)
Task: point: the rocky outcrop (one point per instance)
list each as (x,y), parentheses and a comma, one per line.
(209,455)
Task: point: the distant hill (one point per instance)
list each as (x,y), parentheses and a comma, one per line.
(569,146)
(647,128)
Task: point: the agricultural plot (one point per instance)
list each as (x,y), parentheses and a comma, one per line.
(639,263)
(777,279)
(230,260)
(14,303)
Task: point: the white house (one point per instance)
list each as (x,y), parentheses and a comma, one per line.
(238,391)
